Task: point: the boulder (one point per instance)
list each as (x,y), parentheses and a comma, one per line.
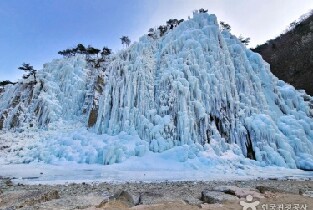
(263,189)
(211,197)
(239,192)
(149,198)
(131,198)
(308,193)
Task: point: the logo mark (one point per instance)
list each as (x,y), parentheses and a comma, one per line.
(249,205)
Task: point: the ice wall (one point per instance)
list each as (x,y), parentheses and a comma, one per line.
(196,86)
(200,85)
(58,94)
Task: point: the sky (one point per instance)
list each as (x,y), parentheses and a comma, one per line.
(33,31)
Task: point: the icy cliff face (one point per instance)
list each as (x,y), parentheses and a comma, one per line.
(197,87)
(58,94)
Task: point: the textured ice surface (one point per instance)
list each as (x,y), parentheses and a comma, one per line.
(196,90)
(58,95)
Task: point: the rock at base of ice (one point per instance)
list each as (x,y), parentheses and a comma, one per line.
(212,197)
(239,192)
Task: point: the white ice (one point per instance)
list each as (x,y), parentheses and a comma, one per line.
(195,94)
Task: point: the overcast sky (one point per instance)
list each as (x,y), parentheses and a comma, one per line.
(35,30)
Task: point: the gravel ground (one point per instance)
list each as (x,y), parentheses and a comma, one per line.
(163,195)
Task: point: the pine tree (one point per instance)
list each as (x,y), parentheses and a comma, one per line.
(162,30)
(92,51)
(68,52)
(225,26)
(81,49)
(125,41)
(6,82)
(29,69)
(106,51)
(243,40)
(203,10)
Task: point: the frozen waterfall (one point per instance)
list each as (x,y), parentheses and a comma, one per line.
(197,87)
